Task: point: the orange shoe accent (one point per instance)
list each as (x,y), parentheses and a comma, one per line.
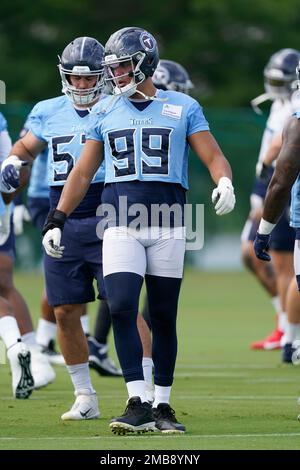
(270,343)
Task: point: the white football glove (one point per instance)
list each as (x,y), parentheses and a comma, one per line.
(51,243)
(5,224)
(223,196)
(10,173)
(20,215)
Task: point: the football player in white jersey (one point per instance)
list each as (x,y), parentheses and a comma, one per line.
(144,134)
(280,77)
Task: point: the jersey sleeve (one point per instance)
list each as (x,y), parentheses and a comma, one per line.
(94,128)
(5,145)
(3,123)
(196,120)
(35,122)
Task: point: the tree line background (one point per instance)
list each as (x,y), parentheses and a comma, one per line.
(224,45)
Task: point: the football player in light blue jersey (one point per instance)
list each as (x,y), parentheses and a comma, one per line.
(59,125)
(169,75)
(38,206)
(145,135)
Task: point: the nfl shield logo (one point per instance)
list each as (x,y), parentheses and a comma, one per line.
(147,41)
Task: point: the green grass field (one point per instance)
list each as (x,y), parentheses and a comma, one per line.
(228,396)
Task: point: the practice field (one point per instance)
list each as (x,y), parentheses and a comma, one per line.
(228,396)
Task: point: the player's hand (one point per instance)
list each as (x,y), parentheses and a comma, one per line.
(261,245)
(10,173)
(223,196)
(52,232)
(51,243)
(20,215)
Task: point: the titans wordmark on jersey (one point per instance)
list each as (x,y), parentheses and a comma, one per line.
(147,145)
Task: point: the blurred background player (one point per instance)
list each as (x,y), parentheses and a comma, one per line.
(41,369)
(279,81)
(291,334)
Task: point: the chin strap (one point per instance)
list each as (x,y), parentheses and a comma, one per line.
(259,100)
(153,98)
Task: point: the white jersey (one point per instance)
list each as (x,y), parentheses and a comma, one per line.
(280,112)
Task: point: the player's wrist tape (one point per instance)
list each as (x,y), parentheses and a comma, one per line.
(265,227)
(55,219)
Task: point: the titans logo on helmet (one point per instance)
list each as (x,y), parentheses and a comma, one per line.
(147,42)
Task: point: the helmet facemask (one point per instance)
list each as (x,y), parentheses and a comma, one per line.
(278,85)
(85,96)
(111,62)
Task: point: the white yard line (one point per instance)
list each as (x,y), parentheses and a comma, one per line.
(153,436)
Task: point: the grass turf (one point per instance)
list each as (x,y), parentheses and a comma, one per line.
(228,396)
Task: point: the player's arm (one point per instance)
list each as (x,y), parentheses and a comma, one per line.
(74,191)
(273,150)
(81,176)
(23,152)
(285,174)
(262,167)
(209,152)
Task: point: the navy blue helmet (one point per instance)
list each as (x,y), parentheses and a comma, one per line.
(82,57)
(133,46)
(170,75)
(280,73)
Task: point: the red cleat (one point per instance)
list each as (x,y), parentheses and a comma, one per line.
(270,343)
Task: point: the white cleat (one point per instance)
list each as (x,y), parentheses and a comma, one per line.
(85,407)
(43,373)
(22,379)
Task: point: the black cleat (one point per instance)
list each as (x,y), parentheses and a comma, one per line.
(287,353)
(54,357)
(165,420)
(99,359)
(137,417)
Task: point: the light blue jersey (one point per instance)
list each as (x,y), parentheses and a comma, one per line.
(147,145)
(39,180)
(58,123)
(3,127)
(295,197)
(3,123)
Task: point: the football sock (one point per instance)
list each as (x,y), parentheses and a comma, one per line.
(147,369)
(282,321)
(136,388)
(9,331)
(291,332)
(85,323)
(161,395)
(80,376)
(46,331)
